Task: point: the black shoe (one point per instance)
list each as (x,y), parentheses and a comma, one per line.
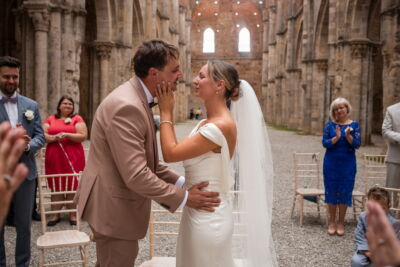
(72,222)
(10,222)
(53,223)
(36,216)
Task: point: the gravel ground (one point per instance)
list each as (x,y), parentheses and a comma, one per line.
(295,245)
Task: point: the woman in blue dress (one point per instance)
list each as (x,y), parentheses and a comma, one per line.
(341,138)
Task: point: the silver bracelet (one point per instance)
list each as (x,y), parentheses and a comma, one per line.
(170,122)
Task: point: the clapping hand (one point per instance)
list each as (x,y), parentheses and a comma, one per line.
(348,130)
(25,137)
(12,173)
(338,132)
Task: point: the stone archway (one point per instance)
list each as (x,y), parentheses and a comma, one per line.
(8,42)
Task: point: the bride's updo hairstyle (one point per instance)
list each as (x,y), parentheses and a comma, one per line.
(219,70)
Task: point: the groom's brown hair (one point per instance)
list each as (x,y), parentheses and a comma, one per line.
(153,54)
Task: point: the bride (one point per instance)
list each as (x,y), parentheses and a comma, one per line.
(230,148)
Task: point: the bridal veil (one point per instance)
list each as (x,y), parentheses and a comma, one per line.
(253,172)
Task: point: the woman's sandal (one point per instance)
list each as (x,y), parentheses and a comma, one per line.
(340,230)
(331,229)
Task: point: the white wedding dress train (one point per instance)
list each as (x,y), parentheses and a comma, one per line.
(205,238)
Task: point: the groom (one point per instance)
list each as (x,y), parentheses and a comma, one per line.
(123,173)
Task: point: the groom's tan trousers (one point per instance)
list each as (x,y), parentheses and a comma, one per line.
(113,252)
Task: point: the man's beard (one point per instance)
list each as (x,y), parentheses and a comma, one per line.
(8,90)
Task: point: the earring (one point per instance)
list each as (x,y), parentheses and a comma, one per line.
(217,92)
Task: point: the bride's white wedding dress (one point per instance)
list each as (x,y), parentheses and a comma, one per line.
(205,237)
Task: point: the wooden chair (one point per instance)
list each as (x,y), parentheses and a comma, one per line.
(374,170)
(60,238)
(394,194)
(158,219)
(374,174)
(170,223)
(307,181)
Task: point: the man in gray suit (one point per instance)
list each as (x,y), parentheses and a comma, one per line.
(23,112)
(391,132)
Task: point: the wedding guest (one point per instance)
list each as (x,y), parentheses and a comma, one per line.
(391,133)
(11,148)
(341,138)
(382,240)
(23,113)
(362,256)
(64,132)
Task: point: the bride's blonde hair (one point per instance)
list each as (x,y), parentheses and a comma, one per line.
(219,70)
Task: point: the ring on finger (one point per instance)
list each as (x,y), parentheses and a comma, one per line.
(7,179)
(381,242)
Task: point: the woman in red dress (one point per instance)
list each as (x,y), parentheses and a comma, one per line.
(64,133)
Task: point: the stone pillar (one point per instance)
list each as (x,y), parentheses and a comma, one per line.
(164,13)
(294,81)
(103,51)
(362,91)
(40,19)
(151,11)
(264,74)
(318,95)
(390,37)
(55,59)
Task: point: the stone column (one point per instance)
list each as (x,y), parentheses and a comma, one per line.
(103,51)
(361,91)
(318,95)
(164,13)
(264,74)
(390,37)
(40,19)
(151,10)
(55,59)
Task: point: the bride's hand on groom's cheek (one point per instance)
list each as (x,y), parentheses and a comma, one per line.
(165,96)
(202,200)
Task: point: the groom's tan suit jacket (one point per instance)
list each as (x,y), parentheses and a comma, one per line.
(123,172)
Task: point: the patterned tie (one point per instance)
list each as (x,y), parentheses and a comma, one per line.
(5,99)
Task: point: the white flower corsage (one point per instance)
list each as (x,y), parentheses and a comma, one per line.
(67,120)
(29,115)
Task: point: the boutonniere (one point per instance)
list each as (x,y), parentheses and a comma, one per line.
(29,115)
(67,120)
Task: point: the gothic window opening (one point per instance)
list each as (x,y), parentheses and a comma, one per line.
(208,41)
(244,40)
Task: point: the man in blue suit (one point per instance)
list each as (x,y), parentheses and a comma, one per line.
(23,112)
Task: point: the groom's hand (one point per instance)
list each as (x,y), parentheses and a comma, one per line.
(200,200)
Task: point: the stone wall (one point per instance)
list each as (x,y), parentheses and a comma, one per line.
(227,18)
(315,51)
(84,48)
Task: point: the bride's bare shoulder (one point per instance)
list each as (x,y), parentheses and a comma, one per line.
(226,124)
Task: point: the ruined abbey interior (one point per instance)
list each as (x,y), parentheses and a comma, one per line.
(298,54)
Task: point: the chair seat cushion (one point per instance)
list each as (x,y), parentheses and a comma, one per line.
(309,191)
(159,262)
(67,238)
(171,262)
